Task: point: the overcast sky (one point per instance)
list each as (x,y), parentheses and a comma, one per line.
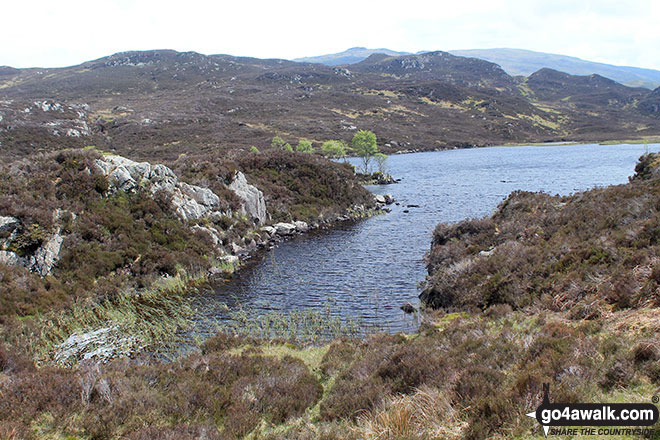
(47,33)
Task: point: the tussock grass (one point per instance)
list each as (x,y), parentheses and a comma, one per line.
(426,414)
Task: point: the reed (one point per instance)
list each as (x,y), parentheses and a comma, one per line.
(301,326)
(133,321)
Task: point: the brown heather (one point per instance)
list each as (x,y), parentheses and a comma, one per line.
(568,297)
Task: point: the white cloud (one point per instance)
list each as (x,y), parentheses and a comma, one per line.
(47,33)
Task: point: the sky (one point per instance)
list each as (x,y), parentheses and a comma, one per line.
(47,33)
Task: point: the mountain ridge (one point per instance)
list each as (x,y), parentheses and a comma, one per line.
(517,62)
(162,103)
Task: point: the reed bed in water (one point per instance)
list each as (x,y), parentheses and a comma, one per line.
(301,326)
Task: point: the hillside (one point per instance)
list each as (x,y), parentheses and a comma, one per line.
(158,104)
(556,290)
(515,62)
(588,254)
(519,62)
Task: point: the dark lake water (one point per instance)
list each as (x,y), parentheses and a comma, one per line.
(368,269)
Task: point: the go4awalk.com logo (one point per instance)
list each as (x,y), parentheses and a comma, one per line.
(591,418)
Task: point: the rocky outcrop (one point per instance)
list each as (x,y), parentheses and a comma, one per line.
(382,200)
(47,255)
(254,203)
(11,259)
(43,259)
(8,224)
(190,202)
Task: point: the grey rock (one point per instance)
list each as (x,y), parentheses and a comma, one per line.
(163,176)
(122,179)
(8,224)
(237,249)
(47,255)
(230,259)
(388,199)
(104,167)
(254,203)
(301,226)
(379,199)
(203,196)
(285,228)
(269,230)
(11,259)
(100,345)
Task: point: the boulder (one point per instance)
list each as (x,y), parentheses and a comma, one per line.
(388,199)
(254,203)
(269,230)
(408,308)
(301,226)
(230,259)
(285,228)
(238,250)
(379,199)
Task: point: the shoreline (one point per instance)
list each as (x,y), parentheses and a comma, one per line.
(655,139)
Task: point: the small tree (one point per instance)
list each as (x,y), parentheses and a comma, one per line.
(277,142)
(334,149)
(287,147)
(365,146)
(254,149)
(381,161)
(305,146)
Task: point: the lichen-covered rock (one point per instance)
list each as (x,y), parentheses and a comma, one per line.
(122,179)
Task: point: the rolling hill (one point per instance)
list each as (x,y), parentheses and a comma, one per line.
(164,103)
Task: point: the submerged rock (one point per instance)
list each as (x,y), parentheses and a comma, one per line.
(408,308)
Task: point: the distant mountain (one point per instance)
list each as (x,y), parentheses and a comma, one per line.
(525,62)
(350,56)
(516,62)
(163,103)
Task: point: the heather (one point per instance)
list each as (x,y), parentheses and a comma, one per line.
(558,290)
(127,257)
(588,254)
